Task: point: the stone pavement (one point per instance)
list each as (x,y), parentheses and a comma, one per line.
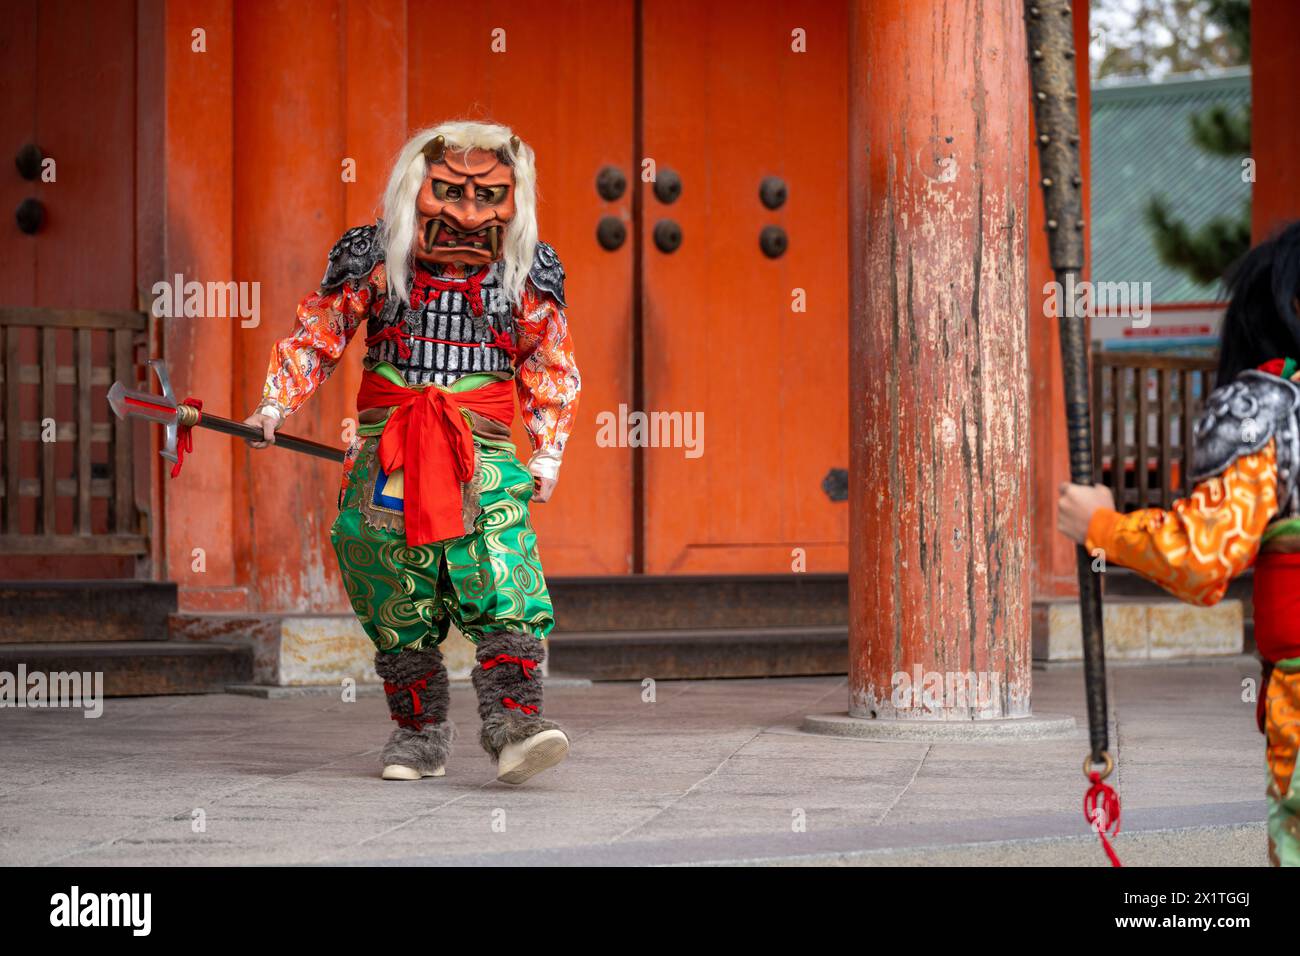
(710,772)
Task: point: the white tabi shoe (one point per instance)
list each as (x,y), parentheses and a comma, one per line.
(530,757)
(395,771)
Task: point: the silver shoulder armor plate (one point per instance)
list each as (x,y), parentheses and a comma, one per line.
(1242,417)
(547,274)
(352,258)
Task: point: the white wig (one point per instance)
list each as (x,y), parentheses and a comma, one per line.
(398,233)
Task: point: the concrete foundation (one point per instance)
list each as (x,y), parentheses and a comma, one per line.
(306,649)
(1140,629)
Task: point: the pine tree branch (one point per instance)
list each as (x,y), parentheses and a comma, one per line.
(1221,131)
(1204,253)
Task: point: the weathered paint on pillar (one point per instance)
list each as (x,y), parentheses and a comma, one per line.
(1275,114)
(290,209)
(256,192)
(199,163)
(1052,554)
(939,498)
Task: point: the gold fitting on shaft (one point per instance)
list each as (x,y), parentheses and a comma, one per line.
(187,415)
(1088,764)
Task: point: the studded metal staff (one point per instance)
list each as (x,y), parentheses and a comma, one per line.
(1050,26)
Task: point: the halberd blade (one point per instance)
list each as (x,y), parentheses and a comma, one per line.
(130,402)
(117,399)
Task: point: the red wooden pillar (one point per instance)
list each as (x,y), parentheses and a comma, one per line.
(1275,114)
(939,497)
(290,205)
(198,160)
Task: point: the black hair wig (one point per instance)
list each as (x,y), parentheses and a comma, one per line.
(1261,322)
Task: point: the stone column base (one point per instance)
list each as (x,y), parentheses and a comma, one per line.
(1035,727)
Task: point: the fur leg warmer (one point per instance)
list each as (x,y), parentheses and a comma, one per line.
(418,699)
(508,680)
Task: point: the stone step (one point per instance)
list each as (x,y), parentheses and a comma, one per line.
(308,650)
(700,653)
(33,612)
(1118,583)
(1141,628)
(138,668)
(1122,582)
(650,602)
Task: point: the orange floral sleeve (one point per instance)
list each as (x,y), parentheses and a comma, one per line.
(1194,549)
(326,322)
(547,380)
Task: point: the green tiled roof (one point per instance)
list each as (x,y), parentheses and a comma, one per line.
(1142,146)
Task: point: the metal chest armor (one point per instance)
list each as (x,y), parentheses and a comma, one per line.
(432,331)
(430,334)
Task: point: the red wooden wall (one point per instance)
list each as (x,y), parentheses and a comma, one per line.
(226,164)
(257,128)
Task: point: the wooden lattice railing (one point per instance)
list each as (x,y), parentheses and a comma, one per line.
(73,494)
(1144,408)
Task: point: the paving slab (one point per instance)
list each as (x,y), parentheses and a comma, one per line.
(706,772)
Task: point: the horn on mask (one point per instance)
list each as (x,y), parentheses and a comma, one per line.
(434,149)
(507,154)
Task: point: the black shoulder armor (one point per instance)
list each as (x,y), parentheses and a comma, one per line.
(353,257)
(547,274)
(1242,417)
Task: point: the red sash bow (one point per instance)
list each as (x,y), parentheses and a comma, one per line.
(428,436)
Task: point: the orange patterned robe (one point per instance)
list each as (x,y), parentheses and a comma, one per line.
(1206,539)
(1282,726)
(1193,551)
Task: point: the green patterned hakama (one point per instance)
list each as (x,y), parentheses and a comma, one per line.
(486,582)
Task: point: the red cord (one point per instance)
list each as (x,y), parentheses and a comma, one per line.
(420,683)
(505,343)
(185,435)
(500,340)
(471,286)
(1101,810)
(418,717)
(415,723)
(391,334)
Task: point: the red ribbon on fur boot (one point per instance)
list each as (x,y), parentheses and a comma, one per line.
(527,665)
(418,717)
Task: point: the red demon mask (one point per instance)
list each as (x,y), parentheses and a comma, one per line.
(464,206)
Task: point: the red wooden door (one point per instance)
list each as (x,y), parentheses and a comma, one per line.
(67,84)
(730,99)
(67,87)
(562,78)
(727,98)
